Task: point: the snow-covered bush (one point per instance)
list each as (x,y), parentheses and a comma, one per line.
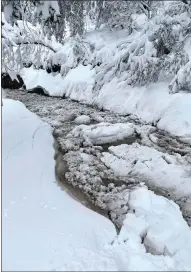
(182,81)
(74,51)
(23,43)
(157,51)
(152,50)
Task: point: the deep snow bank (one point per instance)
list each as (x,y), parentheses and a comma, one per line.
(151,104)
(42,227)
(153,236)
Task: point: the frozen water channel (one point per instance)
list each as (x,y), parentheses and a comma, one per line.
(100,155)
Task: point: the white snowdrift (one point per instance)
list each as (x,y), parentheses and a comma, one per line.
(77,84)
(154,237)
(156,167)
(43,228)
(103,132)
(155,226)
(82,119)
(150,104)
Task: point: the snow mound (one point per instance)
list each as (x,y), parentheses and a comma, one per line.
(104,132)
(154,234)
(77,84)
(150,104)
(150,164)
(54,85)
(43,227)
(83,119)
(175,118)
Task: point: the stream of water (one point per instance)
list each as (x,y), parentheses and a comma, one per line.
(60,114)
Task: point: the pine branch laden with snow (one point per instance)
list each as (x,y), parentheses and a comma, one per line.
(157,46)
(22,42)
(182,81)
(76,51)
(21,46)
(150,53)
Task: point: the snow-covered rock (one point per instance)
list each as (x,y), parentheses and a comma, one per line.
(154,235)
(83,119)
(77,84)
(104,132)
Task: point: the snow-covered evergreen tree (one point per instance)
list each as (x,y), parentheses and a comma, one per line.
(156,50)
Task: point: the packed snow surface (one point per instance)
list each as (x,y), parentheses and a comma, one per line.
(45,229)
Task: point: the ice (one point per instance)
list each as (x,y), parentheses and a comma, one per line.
(150,104)
(104,132)
(83,119)
(157,168)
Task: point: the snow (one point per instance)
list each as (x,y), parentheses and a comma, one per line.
(45,229)
(154,226)
(157,168)
(103,132)
(82,119)
(139,20)
(77,84)
(8,10)
(187,47)
(54,85)
(106,39)
(80,74)
(151,103)
(3,93)
(175,118)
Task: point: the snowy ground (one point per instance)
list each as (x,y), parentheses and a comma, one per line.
(39,220)
(45,229)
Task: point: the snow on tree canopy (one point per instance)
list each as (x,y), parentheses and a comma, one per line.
(151,49)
